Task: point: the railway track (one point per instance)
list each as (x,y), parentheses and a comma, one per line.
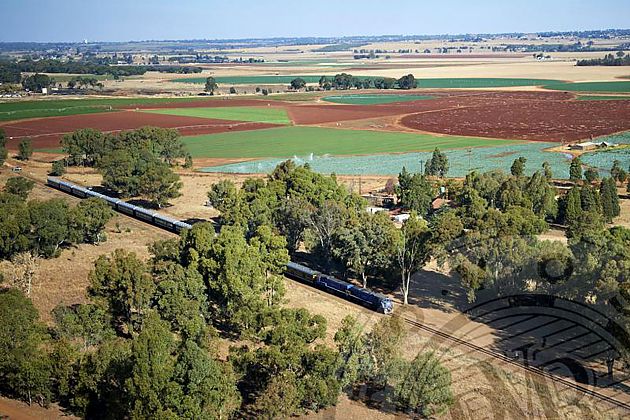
(475,348)
(531,369)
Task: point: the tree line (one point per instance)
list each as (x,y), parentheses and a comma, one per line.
(133,163)
(619,59)
(344,81)
(11,71)
(145,344)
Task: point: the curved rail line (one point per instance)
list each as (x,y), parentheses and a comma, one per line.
(531,369)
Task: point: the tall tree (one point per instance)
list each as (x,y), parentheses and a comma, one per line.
(211,85)
(438,165)
(609,199)
(84,147)
(414,192)
(518,167)
(572,206)
(159,184)
(298,83)
(150,386)
(618,173)
(15,225)
(3,147)
(121,283)
(366,246)
(407,82)
(547,170)
(24,366)
(49,224)
(411,251)
(88,220)
(575,169)
(541,195)
(37,82)
(25,149)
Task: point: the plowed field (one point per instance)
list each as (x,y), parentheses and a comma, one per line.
(47,132)
(559,121)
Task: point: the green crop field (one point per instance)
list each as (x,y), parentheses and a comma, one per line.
(254,114)
(617,87)
(61,107)
(602,98)
(300,141)
(374,99)
(480,82)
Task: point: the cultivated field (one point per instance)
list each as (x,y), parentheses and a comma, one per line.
(287,142)
(252,114)
(369,127)
(375,99)
(47,133)
(614,87)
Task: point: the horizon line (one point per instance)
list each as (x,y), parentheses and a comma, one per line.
(330,37)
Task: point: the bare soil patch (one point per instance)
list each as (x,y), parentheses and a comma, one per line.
(541,120)
(47,132)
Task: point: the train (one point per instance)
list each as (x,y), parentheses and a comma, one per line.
(330,284)
(121,206)
(333,285)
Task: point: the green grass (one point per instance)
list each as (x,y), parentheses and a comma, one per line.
(480,82)
(17,110)
(299,141)
(601,98)
(617,87)
(373,99)
(254,114)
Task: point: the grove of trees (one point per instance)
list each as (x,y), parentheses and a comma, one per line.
(43,227)
(133,163)
(345,81)
(145,344)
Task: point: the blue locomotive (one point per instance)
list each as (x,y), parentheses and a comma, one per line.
(366,297)
(330,284)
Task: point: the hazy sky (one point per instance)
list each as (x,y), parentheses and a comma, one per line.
(121,20)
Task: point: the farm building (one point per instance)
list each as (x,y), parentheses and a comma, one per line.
(591,145)
(374,210)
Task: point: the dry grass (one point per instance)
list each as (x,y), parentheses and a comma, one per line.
(481,387)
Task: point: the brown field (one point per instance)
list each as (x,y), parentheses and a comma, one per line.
(542,120)
(47,132)
(524,115)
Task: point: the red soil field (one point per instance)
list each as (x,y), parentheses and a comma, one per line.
(324,114)
(526,115)
(47,132)
(560,121)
